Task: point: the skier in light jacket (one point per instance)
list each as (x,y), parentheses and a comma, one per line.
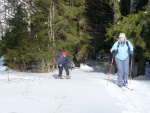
(121,50)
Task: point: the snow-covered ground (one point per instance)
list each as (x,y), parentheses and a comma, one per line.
(85,92)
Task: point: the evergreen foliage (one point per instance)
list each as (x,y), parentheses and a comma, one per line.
(72,35)
(13,42)
(100,14)
(39,28)
(136,27)
(55,25)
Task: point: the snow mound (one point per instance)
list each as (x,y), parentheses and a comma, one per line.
(23,92)
(1,61)
(84,67)
(2,68)
(142,77)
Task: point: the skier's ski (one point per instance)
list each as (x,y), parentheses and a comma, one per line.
(65,77)
(68,77)
(123,89)
(128,88)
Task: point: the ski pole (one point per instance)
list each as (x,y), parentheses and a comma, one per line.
(131,71)
(71,66)
(110,69)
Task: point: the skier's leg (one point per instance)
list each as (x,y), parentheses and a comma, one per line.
(66,69)
(126,71)
(120,71)
(60,71)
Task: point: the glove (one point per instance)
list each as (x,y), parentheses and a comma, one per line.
(72,65)
(132,57)
(114,52)
(131,53)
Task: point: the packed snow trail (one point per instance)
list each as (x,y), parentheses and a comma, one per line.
(77,95)
(85,92)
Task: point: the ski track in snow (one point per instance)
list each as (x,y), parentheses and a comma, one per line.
(136,101)
(86,92)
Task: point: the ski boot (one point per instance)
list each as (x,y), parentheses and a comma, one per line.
(120,84)
(68,77)
(125,83)
(60,78)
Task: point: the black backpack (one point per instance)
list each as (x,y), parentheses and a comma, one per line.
(126,44)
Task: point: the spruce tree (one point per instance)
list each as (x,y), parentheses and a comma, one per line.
(99,15)
(35,36)
(14,40)
(136,27)
(72,35)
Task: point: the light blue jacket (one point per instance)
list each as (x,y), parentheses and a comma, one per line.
(123,51)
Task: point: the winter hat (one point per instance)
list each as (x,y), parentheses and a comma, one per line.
(63,53)
(122,35)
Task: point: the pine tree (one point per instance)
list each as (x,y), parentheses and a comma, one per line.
(43,34)
(72,35)
(135,26)
(22,50)
(99,15)
(14,40)
(35,35)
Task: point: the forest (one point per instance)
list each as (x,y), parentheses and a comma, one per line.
(33,31)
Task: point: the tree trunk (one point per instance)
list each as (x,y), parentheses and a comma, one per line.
(141,67)
(148,5)
(116,9)
(133,6)
(53,35)
(1,31)
(51,63)
(42,66)
(125,7)
(141,64)
(29,16)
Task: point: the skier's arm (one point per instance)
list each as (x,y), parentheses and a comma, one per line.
(68,61)
(131,48)
(59,61)
(114,48)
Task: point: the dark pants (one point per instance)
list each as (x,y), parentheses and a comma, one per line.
(61,69)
